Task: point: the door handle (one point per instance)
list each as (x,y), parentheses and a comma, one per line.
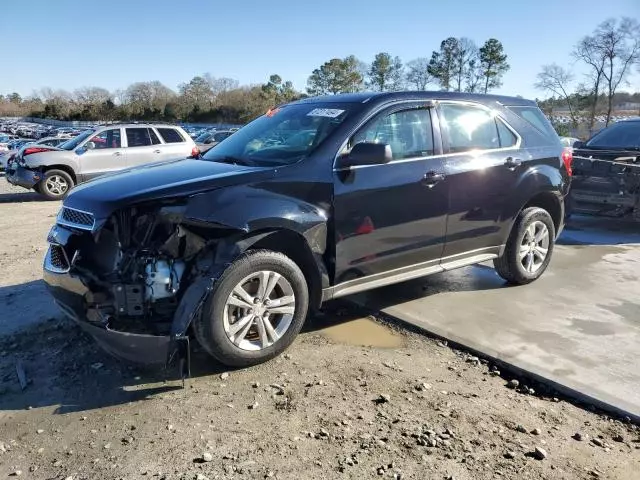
(117,154)
(156,151)
(512,163)
(432,178)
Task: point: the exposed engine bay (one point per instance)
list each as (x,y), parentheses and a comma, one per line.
(136,267)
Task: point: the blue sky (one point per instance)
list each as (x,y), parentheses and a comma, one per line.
(69,44)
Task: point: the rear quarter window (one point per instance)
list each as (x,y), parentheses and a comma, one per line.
(170,135)
(535,117)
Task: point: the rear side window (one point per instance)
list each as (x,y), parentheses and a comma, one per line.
(469,128)
(535,117)
(154,138)
(138,137)
(170,135)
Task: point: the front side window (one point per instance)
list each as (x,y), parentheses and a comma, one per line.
(138,137)
(407,132)
(469,128)
(283,136)
(107,139)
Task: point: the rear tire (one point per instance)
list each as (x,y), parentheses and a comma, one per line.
(263,319)
(55,184)
(529,247)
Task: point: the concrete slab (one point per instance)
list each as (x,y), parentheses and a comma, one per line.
(578,326)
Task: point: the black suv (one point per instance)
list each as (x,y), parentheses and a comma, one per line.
(316,199)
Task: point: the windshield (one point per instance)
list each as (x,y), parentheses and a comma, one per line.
(618,135)
(283,136)
(74,142)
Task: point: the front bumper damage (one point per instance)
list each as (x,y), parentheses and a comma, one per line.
(72,295)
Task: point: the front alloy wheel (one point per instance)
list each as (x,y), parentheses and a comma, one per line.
(259,310)
(255,310)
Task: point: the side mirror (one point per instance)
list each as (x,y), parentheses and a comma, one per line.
(578,144)
(365,153)
(89,146)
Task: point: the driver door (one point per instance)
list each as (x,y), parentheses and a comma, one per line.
(107,155)
(392,216)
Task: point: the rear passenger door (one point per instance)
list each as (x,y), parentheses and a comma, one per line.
(482,166)
(140,147)
(175,146)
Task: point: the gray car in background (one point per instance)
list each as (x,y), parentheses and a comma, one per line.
(53,171)
(210,139)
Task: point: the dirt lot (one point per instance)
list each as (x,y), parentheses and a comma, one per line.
(333,407)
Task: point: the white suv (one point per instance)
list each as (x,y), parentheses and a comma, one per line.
(53,171)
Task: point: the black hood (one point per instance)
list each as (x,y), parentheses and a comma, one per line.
(152,182)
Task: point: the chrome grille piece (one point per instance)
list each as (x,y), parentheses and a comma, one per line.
(57,260)
(76,218)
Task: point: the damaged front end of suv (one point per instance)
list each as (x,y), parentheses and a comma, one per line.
(135,281)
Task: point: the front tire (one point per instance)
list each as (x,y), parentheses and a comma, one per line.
(529,247)
(255,311)
(55,184)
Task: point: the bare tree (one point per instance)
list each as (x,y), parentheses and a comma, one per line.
(619,45)
(588,51)
(465,57)
(556,80)
(418,75)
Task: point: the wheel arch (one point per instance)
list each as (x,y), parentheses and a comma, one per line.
(294,245)
(550,202)
(64,168)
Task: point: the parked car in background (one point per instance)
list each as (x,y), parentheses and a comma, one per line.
(53,171)
(238,245)
(607,172)
(5,140)
(210,139)
(9,154)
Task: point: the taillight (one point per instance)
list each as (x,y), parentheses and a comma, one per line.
(567,158)
(30,150)
(195,152)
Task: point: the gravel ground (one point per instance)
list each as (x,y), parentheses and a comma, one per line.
(332,407)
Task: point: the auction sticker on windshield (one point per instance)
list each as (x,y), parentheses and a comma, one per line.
(325,112)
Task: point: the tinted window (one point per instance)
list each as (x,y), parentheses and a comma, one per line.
(469,128)
(138,137)
(535,117)
(408,132)
(107,139)
(507,137)
(621,134)
(170,135)
(154,138)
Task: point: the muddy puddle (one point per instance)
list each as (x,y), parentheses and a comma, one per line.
(363,332)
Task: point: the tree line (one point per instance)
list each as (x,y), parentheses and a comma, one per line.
(609,55)
(458,65)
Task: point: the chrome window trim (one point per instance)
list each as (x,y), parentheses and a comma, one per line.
(434,103)
(79,226)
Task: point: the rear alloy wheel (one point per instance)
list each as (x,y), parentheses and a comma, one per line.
(55,184)
(255,311)
(529,248)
